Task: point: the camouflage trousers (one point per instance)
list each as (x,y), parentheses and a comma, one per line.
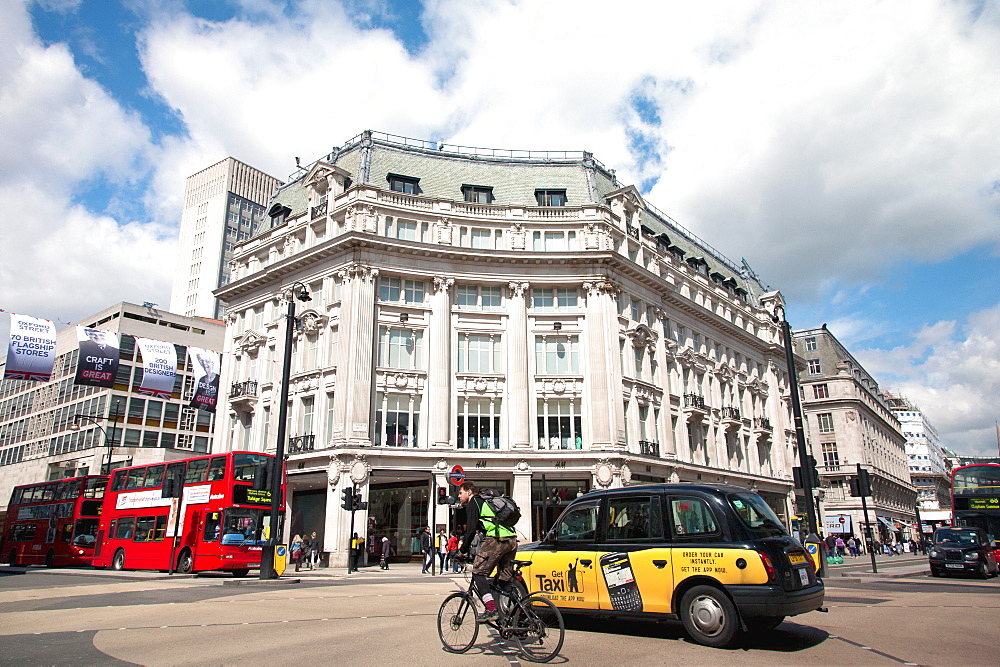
(496,554)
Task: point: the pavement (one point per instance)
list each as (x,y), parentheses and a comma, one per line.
(888,567)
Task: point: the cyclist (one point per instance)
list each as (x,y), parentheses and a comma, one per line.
(496,551)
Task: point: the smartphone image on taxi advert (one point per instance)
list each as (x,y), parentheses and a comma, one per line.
(622,589)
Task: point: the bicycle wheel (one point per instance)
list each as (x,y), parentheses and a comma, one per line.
(538,629)
(457,624)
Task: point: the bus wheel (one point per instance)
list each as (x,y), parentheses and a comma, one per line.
(185,562)
(242,572)
(50,558)
(12,558)
(118,562)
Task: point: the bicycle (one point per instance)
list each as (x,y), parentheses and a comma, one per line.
(532,621)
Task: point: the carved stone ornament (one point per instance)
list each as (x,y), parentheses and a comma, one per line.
(333,472)
(311,322)
(523,466)
(626,474)
(517,289)
(481,385)
(442,284)
(852,415)
(604,473)
(558,387)
(598,287)
(642,336)
(360,469)
(356,270)
(250,341)
(444,231)
(441,464)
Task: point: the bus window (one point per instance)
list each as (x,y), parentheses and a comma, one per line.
(15,496)
(211,532)
(196,471)
(95,488)
(124,529)
(23,533)
(29,495)
(175,470)
(245,466)
(48,492)
(154,476)
(135,477)
(217,470)
(144,529)
(161,528)
(118,481)
(68,490)
(67,533)
(84,533)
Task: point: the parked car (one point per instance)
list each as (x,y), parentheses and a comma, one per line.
(963,551)
(716,558)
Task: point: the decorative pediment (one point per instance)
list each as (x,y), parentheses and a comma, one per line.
(724,372)
(249,341)
(629,196)
(642,336)
(323,174)
(310,322)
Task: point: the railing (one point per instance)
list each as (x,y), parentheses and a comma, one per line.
(648,448)
(301,443)
(694,401)
(762,423)
(731,413)
(633,231)
(404,200)
(317,211)
(247,388)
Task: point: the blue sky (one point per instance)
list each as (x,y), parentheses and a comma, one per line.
(852,158)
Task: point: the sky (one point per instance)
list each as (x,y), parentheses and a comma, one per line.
(850,152)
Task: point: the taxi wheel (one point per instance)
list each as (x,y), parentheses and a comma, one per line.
(709,616)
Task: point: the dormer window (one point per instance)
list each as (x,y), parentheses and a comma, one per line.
(550,197)
(477,194)
(405,184)
(278,213)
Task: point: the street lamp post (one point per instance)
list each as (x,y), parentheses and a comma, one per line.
(276,474)
(109,440)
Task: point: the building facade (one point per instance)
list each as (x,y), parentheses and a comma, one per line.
(38,439)
(222,205)
(924,454)
(847,422)
(527,318)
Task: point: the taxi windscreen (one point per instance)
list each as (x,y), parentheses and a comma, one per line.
(756,514)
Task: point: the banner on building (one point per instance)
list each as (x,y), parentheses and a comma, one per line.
(159,367)
(31,350)
(98,363)
(206,365)
(838,523)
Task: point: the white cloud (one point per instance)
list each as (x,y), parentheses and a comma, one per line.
(952,371)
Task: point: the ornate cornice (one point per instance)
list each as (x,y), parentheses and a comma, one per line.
(599,287)
(356,270)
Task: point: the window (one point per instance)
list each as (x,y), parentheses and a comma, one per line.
(154,476)
(549,299)
(479,237)
(579,522)
(395,290)
(135,478)
(123,531)
(477,194)
(821,391)
(810,344)
(399,348)
(397,420)
(553,241)
(479,353)
(406,230)
(196,471)
(217,469)
(825,422)
(211,532)
(634,309)
(560,425)
(478,423)
(405,184)
(636,518)
(550,197)
(814,367)
(472,297)
(557,355)
(308,408)
(830,456)
(692,517)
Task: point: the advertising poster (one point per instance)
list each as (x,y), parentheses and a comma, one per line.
(159,366)
(31,350)
(98,363)
(206,365)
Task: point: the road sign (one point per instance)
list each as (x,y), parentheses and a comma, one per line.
(456,476)
(280,555)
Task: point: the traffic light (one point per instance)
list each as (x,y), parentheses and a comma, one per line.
(358,505)
(813,472)
(554,496)
(855,487)
(348,503)
(173,487)
(443,498)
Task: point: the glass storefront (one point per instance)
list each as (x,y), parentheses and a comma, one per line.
(549,499)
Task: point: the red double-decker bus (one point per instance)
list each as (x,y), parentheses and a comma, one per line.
(975,497)
(220,523)
(53,523)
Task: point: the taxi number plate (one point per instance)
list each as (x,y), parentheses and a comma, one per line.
(957,566)
(796,558)
(804,577)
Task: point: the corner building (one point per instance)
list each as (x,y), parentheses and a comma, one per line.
(522,315)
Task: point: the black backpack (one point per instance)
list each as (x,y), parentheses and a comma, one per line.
(505,510)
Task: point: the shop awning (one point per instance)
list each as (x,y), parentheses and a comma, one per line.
(888,524)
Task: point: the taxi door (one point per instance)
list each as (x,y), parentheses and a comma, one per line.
(564,568)
(635,570)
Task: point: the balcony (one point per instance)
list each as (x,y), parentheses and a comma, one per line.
(731,418)
(301,443)
(317,211)
(694,407)
(649,448)
(243,396)
(762,424)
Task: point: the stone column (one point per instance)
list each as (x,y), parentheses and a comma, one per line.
(352,398)
(439,364)
(521,494)
(518,396)
(603,379)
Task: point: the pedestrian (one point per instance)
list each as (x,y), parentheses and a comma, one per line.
(876,547)
(840,545)
(387,552)
(306,550)
(427,549)
(315,549)
(852,547)
(356,544)
(296,551)
(452,549)
(442,548)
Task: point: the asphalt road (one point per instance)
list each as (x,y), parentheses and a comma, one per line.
(99,618)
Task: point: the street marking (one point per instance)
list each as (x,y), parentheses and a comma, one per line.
(875,651)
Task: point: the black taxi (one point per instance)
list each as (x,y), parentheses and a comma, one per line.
(715,557)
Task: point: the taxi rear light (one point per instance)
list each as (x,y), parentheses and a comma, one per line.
(765,560)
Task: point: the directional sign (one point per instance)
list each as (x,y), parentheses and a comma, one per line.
(457,475)
(280,558)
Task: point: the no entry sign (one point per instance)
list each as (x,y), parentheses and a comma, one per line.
(456,476)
